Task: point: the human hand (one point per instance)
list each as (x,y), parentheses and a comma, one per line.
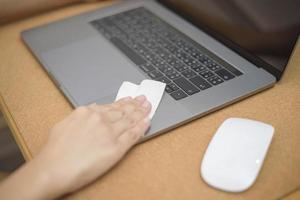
(91,140)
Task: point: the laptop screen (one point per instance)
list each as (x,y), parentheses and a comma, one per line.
(262,31)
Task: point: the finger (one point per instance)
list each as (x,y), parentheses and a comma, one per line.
(118,113)
(115,111)
(124,99)
(140,99)
(137,100)
(131,136)
(121,102)
(128,121)
(129,107)
(141,112)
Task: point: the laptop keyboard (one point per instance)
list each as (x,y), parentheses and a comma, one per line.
(164,53)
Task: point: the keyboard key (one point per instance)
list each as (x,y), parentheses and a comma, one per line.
(232,69)
(224,74)
(200,82)
(182,56)
(173,86)
(169,89)
(199,68)
(158,62)
(170,58)
(188,73)
(172,74)
(180,66)
(202,58)
(215,80)
(212,66)
(149,56)
(168,70)
(164,79)
(165,68)
(195,64)
(161,52)
(190,61)
(206,74)
(179,94)
(147,67)
(150,44)
(171,48)
(186,86)
(155,74)
(196,54)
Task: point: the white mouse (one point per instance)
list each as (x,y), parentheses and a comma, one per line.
(236,153)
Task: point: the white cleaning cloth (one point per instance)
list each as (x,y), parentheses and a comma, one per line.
(153,90)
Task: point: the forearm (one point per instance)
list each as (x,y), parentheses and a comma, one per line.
(16,9)
(81,148)
(31,181)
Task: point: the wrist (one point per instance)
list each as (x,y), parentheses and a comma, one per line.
(31,181)
(44,183)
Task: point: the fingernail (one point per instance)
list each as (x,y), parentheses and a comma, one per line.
(146,104)
(147,119)
(141,98)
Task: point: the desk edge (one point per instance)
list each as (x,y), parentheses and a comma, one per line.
(14,129)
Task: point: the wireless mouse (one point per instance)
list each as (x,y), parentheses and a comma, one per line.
(235,154)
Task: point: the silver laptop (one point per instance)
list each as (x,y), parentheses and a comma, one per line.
(89,56)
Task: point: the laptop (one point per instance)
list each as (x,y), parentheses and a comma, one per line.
(89,56)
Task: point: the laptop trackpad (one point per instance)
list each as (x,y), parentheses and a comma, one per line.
(91,69)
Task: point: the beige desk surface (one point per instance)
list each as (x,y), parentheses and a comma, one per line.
(166,167)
